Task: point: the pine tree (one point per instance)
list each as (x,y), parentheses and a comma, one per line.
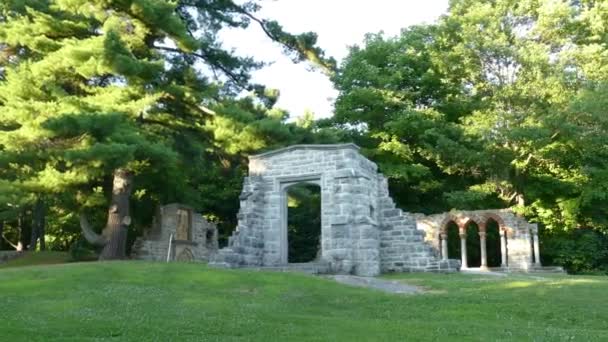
(105,99)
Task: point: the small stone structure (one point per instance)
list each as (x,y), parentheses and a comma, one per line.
(193,237)
(519,243)
(362,232)
(6,256)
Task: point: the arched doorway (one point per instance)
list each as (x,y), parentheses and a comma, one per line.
(453,240)
(473,244)
(303,222)
(493,243)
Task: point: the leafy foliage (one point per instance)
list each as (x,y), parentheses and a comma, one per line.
(499,103)
(580,251)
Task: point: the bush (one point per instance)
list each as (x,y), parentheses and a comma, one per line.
(578,251)
(81,250)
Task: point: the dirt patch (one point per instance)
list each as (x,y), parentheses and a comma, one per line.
(390,286)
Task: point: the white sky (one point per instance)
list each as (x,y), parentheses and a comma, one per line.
(339,24)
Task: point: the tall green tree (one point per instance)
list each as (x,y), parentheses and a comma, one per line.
(497,104)
(112,101)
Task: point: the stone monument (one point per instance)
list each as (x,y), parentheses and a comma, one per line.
(192,237)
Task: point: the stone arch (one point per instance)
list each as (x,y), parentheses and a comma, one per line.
(303,236)
(284,184)
(501,222)
(494,238)
(505,234)
(466,221)
(451,239)
(472,231)
(446,221)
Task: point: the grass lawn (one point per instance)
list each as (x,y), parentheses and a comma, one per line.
(138,301)
(38,258)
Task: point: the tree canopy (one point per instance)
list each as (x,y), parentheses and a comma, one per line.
(127,104)
(499,103)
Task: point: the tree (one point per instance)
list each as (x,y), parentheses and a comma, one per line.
(109,99)
(485,109)
(401,99)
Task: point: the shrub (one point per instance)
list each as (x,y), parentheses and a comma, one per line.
(578,251)
(81,250)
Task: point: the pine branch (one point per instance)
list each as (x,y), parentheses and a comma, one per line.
(225,70)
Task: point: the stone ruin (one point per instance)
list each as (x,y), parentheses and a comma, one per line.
(518,239)
(188,235)
(362,231)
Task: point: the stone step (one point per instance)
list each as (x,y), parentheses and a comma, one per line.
(533,269)
(308,267)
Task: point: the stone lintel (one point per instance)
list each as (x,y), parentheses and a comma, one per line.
(306,147)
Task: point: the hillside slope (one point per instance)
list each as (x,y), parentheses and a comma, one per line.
(138,301)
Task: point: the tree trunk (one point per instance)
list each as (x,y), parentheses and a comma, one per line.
(39,215)
(113,239)
(23,231)
(1,234)
(115,232)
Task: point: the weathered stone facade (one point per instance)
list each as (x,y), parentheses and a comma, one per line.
(193,237)
(362,232)
(518,238)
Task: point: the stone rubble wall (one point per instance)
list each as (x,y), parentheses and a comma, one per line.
(403,247)
(154,245)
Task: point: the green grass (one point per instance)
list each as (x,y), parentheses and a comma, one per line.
(38,258)
(138,301)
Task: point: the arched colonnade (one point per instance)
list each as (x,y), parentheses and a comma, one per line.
(463,223)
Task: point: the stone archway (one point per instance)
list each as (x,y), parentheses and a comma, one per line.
(286,240)
(452,240)
(362,231)
(493,242)
(473,244)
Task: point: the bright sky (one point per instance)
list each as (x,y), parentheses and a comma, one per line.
(339,24)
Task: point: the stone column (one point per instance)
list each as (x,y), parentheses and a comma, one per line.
(530,247)
(503,248)
(463,249)
(444,245)
(482,244)
(536,245)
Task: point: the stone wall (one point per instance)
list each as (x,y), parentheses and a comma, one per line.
(361,230)
(194,238)
(403,248)
(6,256)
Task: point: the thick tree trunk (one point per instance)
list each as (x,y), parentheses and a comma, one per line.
(113,239)
(119,217)
(39,215)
